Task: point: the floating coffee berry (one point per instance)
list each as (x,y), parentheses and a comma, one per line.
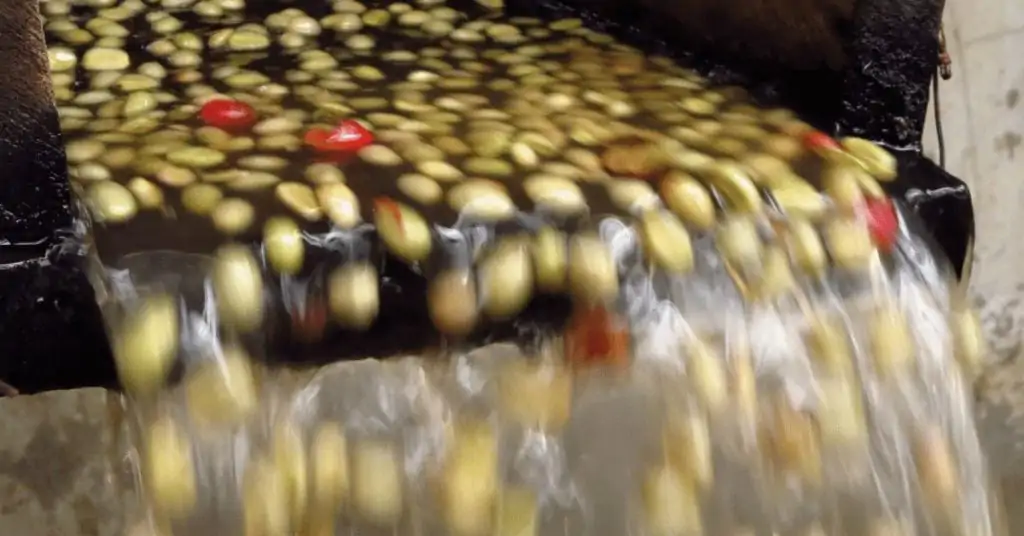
(227,114)
(882,222)
(348,136)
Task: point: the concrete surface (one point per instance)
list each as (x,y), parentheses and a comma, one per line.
(55,466)
(54,451)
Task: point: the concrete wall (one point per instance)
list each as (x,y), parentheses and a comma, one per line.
(982,110)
